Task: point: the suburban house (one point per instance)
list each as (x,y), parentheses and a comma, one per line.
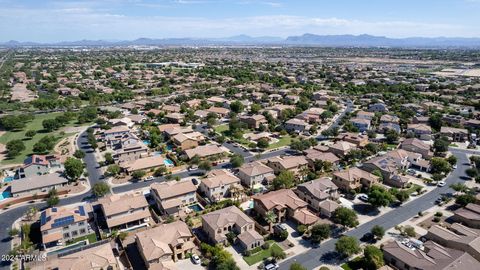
(219,223)
(60,224)
(468,215)
(365,115)
(361,123)
(317,191)
(295,164)
(353,179)
(254,173)
(378,107)
(454,134)
(254,121)
(417,146)
(296,125)
(37,184)
(143,164)
(422,131)
(188,140)
(205,151)
(90,257)
(315,155)
(432,256)
(457,237)
(164,243)
(222,112)
(174,117)
(38,165)
(284,203)
(125,211)
(218,184)
(172,196)
(341,148)
(358,139)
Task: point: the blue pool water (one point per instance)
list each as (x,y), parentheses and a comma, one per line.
(168,162)
(146,142)
(157,153)
(68,248)
(5,195)
(169,147)
(195,207)
(8,179)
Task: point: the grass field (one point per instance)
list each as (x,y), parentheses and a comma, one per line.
(283,141)
(261,255)
(221,128)
(92,238)
(35,124)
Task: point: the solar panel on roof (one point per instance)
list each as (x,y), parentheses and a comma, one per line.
(81,210)
(43,218)
(54,209)
(61,222)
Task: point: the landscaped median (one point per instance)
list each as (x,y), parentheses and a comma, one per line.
(259,254)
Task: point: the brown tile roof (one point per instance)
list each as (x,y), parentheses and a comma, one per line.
(255,168)
(158,242)
(280,198)
(171,189)
(226,216)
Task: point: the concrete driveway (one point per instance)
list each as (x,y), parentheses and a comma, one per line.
(188,264)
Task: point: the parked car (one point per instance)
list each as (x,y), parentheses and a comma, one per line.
(368,238)
(271,266)
(194,181)
(196,259)
(363,197)
(441,183)
(149,178)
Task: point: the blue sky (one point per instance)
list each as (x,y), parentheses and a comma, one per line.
(57,20)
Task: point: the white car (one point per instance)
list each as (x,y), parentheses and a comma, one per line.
(271,266)
(149,178)
(441,183)
(454,166)
(363,197)
(196,259)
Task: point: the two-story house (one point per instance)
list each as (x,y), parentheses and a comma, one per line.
(254,173)
(218,184)
(316,192)
(172,196)
(160,245)
(218,224)
(60,224)
(122,212)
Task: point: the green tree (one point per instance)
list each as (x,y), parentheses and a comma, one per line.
(237,161)
(205,165)
(100,189)
(320,232)
(79,154)
(138,174)
(30,133)
(277,254)
(286,179)
(347,246)
(373,257)
(297,266)
(391,136)
(379,196)
(50,124)
(109,158)
(465,199)
(440,145)
(113,170)
(440,165)
(14,148)
(402,196)
(346,217)
(262,143)
(52,199)
(237,106)
(73,168)
(378,231)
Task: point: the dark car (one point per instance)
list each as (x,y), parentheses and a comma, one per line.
(195,181)
(368,238)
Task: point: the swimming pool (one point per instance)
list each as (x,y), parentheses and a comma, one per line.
(168,162)
(196,207)
(4,195)
(8,179)
(68,248)
(146,142)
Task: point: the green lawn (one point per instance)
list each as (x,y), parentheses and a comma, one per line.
(92,238)
(261,255)
(35,124)
(221,128)
(412,189)
(283,141)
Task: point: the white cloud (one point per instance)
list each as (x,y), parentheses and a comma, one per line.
(70,22)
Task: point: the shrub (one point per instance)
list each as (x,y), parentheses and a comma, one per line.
(438,214)
(301,229)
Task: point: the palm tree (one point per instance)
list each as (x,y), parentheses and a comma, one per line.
(271,218)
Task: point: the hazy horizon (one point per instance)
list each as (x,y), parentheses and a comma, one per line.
(70,20)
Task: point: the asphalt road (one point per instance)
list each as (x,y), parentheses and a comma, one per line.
(317,256)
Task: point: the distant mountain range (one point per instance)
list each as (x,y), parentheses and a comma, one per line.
(303,40)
